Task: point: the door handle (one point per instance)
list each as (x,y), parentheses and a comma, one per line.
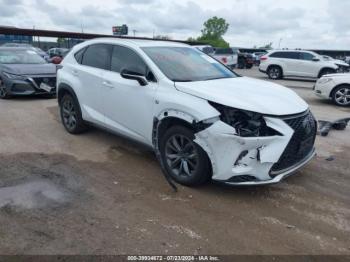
(108,84)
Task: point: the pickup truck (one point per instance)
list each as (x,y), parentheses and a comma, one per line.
(227,56)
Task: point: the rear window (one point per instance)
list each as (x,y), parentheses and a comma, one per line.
(98,56)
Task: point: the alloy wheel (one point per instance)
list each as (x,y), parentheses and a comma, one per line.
(181,155)
(274,73)
(342,96)
(69,113)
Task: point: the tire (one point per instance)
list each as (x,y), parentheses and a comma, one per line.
(3,91)
(341,95)
(326,71)
(71,115)
(274,72)
(183,160)
(249,66)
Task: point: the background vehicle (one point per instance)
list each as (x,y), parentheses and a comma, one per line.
(29,47)
(202,124)
(343,66)
(285,63)
(61,52)
(227,56)
(24,72)
(245,61)
(207,49)
(335,87)
(257,56)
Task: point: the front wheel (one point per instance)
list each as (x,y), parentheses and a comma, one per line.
(71,115)
(341,96)
(3,91)
(184,160)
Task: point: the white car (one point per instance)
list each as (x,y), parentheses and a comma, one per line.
(202,124)
(227,56)
(335,87)
(287,63)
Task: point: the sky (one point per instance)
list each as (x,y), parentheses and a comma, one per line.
(314,24)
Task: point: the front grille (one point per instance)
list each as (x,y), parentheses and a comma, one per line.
(242,179)
(51,81)
(301,144)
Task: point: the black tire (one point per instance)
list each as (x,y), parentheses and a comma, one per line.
(71,115)
(3,91)
(249,66)
(326,71)
(341,95)
(184,161)
(275,72)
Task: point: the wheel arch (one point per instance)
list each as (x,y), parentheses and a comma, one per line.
(339,85)
(325,68)
(64,89)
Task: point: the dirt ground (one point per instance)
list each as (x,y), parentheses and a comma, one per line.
(101,194)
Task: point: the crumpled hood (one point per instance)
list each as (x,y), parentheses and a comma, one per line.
(247,94)
(30,69)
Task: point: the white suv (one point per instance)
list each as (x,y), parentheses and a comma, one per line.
(286,63)
(202,124)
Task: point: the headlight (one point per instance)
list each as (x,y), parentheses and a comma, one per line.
(324,80)
(246,124)
(14,77)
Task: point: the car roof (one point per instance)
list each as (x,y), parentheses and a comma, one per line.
(14,48)
(136,42)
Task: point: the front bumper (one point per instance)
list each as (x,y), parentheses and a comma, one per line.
(259,160)
(324,90)
(30,85)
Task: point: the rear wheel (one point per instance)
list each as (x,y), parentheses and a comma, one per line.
(341,96)
(71,115)
(184,160)
(3,91)
(274,72)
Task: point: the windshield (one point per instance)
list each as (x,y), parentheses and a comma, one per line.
(185,64)
(20,57)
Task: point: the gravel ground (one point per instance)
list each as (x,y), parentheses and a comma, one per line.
(101,194)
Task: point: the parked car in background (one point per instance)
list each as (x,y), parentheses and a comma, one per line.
(257,56)
(347,60)
(343,66)
(61,52)
(286,63)
(227,56)
(24,72)
(207,49)
(202,124)
(335,87)
(29,47)
(245,61)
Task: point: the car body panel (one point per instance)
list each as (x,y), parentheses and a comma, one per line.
(324,89)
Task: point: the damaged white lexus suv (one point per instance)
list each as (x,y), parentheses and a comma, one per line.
(202,120)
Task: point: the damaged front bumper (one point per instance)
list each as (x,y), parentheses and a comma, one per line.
(248,161)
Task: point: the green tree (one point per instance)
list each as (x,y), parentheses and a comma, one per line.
(214,30)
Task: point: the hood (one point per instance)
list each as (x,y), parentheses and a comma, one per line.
(346,75)
(341,63)
(30,69)
(247,94)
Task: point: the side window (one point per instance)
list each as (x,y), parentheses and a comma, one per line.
(97,56)
(277,55)
(307,56)
(125,58)
(79,55)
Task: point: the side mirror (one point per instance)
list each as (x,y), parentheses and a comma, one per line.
(128,74)
(315,59)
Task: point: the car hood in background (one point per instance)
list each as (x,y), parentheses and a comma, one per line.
(30,69)
(247,94)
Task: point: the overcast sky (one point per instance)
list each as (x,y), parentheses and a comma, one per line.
(299,23)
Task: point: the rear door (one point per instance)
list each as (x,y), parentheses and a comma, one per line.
(128,105)
(95,60)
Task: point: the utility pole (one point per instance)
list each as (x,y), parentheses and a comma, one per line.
(134,31)
(279,45)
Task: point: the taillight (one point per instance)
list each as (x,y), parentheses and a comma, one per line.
(263,58)
(224,60)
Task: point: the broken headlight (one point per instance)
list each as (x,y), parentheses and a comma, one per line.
(246,124)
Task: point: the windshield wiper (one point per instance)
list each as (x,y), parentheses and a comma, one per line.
(182,80)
